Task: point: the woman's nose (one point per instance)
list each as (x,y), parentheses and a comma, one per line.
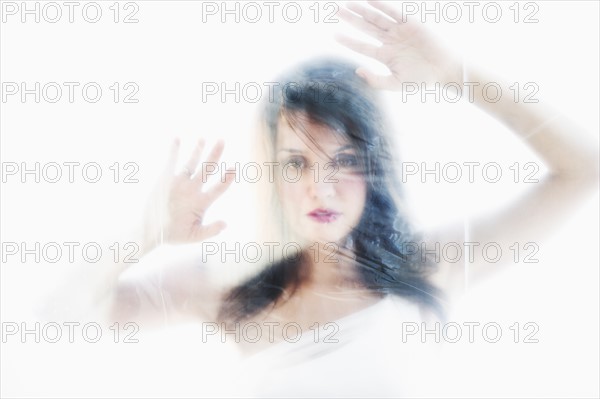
(319,185)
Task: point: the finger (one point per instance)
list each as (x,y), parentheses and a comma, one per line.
(367,49)
(405,26)
(216,152)
(373,17)
(389,11)
(210,230)
(192,163)
(213,158)
(216,191)
(375,81)
(360,24)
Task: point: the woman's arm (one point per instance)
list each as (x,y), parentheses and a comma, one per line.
(160,276)
(176,283)
(569,154)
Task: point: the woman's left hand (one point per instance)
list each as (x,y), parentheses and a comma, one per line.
(409,52)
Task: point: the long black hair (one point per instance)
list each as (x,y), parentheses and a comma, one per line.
(388,255)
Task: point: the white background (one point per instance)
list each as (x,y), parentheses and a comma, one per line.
(171,51)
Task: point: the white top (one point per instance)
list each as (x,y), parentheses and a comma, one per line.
(369,358)
(364,354)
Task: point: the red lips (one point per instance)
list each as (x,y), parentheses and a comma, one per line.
(323,215)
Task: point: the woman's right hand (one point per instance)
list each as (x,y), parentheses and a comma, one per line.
(183,200)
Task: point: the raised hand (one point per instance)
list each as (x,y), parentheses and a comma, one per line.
(406,48)
(183,199)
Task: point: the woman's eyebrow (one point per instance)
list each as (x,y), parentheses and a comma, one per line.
(290,150)
(346,147)
(343,148)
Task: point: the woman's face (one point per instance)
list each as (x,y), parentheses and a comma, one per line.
(321,187)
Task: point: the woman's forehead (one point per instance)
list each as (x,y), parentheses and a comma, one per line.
(307,135)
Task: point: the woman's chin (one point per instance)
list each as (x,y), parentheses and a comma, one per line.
(308,236)
(323,239)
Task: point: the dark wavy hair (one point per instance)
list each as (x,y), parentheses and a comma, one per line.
(388,256)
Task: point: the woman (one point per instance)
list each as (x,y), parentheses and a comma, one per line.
(329,120)
(356,218)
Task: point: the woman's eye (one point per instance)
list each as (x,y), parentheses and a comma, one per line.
(346,161)
(295,162)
